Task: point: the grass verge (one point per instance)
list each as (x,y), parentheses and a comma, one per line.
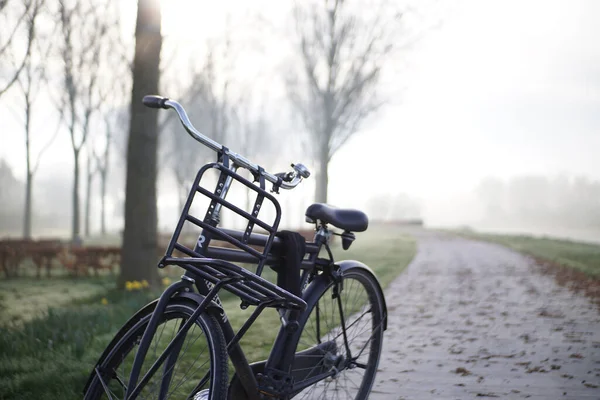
(584,257)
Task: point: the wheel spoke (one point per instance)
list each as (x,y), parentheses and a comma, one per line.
(197,355)
(352,320)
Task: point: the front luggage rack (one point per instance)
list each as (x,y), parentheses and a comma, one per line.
(249,286)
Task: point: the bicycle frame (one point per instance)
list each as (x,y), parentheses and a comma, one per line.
(283,351)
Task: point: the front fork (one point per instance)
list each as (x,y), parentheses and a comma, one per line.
(169,354)
(236,354)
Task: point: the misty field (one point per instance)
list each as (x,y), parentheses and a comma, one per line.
(53,330)
(584,257)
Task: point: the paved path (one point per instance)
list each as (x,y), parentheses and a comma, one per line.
(470,320)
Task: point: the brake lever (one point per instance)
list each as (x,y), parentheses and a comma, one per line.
(285,176)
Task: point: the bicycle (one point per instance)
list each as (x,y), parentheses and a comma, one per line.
(332,314)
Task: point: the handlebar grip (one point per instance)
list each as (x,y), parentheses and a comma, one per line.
(154,101)
(301,170)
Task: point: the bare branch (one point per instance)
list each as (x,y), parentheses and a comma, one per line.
(342,49)
(20,20)
(47,145)
(32,9)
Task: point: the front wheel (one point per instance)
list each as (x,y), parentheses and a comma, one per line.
(346,326)
(197,371)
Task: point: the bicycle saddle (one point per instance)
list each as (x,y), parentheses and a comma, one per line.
(349,220)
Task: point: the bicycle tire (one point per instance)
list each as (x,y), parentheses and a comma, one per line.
(364,321)
(122,355)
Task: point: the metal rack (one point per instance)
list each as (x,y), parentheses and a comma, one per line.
(249,286)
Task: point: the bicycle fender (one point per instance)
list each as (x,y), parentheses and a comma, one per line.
(118,336)
(349,264)
(213,308)
(320,283)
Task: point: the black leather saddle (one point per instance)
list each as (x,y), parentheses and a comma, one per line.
(349,220)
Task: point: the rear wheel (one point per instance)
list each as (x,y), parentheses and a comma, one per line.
(344,332)
(199,369)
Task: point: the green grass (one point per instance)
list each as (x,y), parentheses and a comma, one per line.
(50,356)
(24,299)
(52,331)
(386,250)
(584,257)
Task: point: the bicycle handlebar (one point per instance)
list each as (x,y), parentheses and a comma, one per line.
(283,180)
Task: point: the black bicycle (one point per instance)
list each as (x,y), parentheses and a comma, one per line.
(332,314)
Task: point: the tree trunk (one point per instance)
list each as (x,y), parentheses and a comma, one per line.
(27,216)
(322,178)
(88,197)
(103,201)
(27,211)
(139,253)
(103,178)
(75,219)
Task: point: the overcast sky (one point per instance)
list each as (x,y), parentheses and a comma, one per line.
(502,88)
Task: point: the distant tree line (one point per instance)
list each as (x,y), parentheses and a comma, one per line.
(562,201)
(74,52)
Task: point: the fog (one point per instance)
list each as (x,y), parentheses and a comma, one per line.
(492,123)
(502,91)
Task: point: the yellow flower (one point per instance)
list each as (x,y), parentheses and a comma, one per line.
(129,286)
(145,284)
(166,281)
(104,301)
(136,285)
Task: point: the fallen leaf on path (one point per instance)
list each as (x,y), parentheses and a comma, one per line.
(536,369)
(462,371)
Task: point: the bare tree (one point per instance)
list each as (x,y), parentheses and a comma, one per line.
(84,53)
(211,107)
(138,258)
(29,83)
(253,136)
(11,198)
(185,155)
(115,121)
(91,171)
(115,107)
(103,163)
(15,16)
(214,87)
(342,48)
